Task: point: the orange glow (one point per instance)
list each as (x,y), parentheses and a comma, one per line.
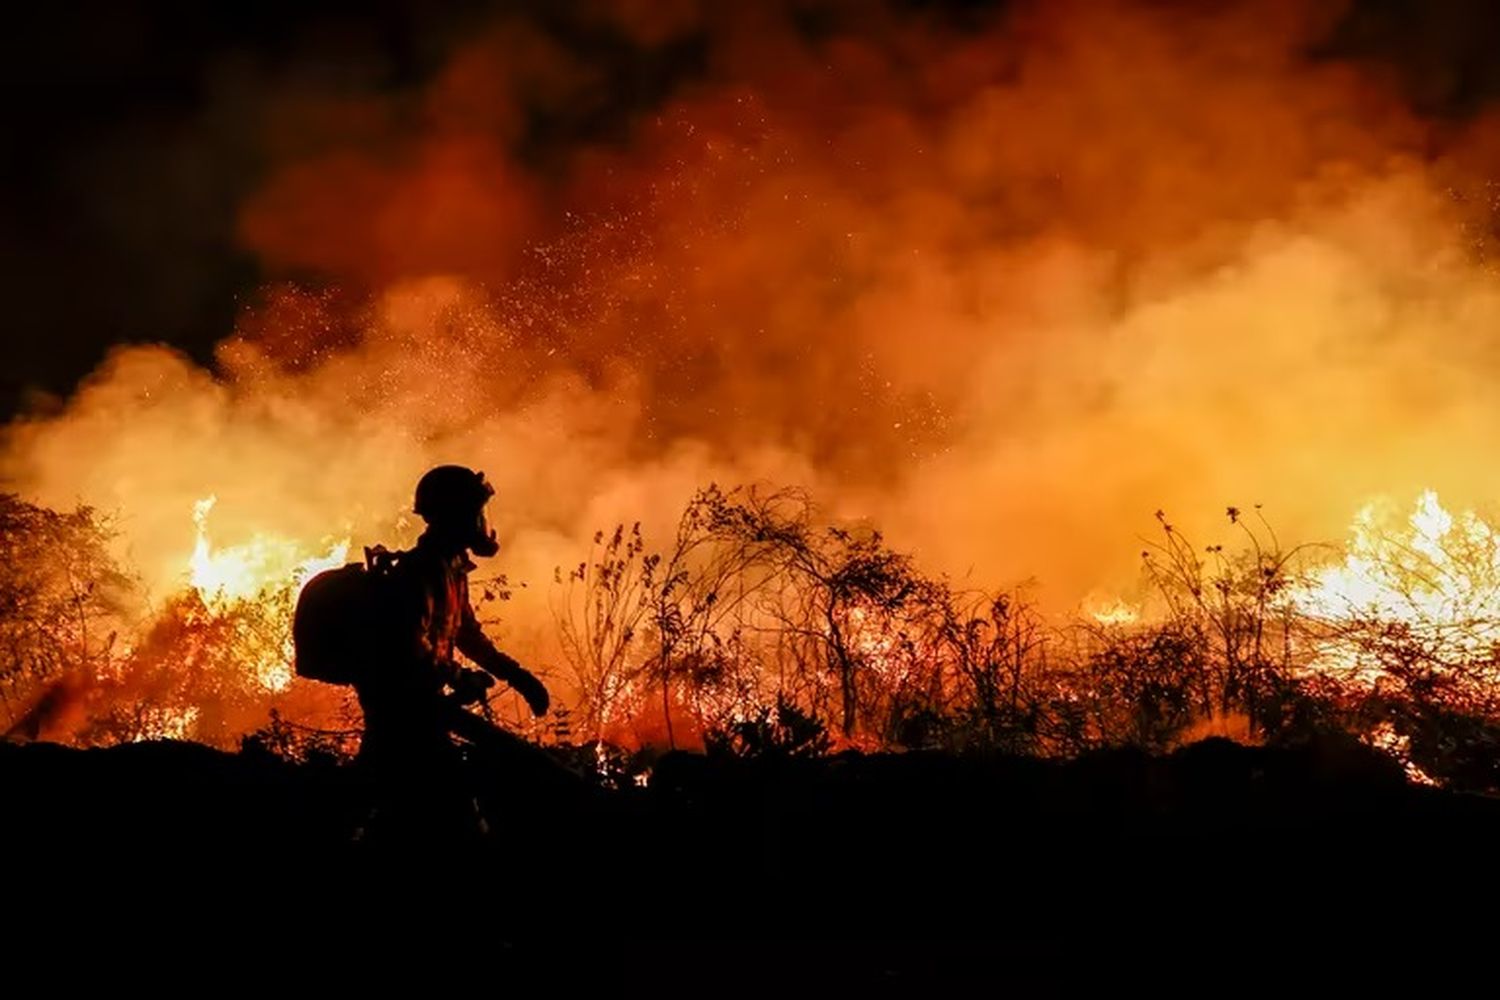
(1001,292)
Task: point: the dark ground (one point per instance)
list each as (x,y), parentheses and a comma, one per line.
(1214,869)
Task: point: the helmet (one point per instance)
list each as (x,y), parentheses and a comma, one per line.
(451,491)
(453,497)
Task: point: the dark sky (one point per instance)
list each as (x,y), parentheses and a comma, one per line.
(130,140)
(129,144)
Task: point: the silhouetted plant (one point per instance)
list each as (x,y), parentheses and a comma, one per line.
(63,602)
(299,744)
(995,650)
(606,602)
(1228,616)
(844,606)
(782,730)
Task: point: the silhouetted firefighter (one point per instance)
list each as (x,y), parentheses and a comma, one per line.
(391,627)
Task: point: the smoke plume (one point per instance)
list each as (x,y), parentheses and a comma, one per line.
(1003,284)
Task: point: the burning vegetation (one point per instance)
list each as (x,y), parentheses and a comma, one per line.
(994,283)
(766,629)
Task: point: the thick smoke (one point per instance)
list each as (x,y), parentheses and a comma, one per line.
(1003,288)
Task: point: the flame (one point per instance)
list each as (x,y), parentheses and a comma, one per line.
(1434,574)
(1114,612)
(167,723)
(243,572)
(1385,738)
(254,571)
(872,640)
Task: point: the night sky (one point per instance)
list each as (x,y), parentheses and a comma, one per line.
(132,137)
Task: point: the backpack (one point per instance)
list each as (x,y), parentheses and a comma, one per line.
(340,622)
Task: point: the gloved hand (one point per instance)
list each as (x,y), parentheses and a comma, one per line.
(528,687)
(469,686)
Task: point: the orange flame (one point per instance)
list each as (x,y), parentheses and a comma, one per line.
(248,572)
(242,572)
(1434,573)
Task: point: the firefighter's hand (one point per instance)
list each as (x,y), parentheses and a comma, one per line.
(469,686)
(528,687)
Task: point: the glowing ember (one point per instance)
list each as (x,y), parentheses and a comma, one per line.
(1114,612)
(1384,737)
(167,723)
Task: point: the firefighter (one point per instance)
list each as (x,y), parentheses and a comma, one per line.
(410,692)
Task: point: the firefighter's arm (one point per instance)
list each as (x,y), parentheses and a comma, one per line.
(474,644)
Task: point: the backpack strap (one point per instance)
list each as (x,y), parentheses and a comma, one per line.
(381,560)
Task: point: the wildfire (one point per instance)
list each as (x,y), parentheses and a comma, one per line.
(166,723)
(256,572)
(243,572)
(1114,612)
(1435,576)
(1384,737)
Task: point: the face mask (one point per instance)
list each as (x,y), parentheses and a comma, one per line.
(484,543)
